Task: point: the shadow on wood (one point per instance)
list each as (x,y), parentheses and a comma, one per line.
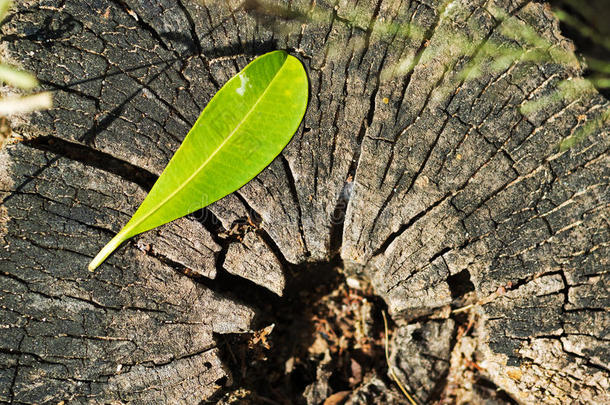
(422,166)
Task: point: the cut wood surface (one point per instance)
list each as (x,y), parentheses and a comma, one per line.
(427,163)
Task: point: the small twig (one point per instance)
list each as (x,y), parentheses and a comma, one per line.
(390,368)
(463,309)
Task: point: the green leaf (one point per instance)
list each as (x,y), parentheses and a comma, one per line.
(242,129)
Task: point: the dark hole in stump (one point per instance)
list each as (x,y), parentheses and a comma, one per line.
(460,284)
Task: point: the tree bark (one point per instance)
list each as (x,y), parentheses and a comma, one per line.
(425,164)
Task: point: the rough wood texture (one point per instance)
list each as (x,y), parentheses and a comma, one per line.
(441,189)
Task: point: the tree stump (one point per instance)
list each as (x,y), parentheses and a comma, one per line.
(427,164)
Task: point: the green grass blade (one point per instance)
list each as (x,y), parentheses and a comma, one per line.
(242,129)
(17,78)
(5,5)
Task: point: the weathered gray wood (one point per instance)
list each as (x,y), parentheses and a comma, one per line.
(68,334)
(438,188)
(251,249)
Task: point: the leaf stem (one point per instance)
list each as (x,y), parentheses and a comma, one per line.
(107,250)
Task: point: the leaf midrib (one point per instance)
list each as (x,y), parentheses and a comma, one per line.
(196,172)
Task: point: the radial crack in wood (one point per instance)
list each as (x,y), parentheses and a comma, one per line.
(428,161)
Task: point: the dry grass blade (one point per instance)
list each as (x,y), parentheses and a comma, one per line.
(390,368)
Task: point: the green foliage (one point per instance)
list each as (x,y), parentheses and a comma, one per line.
(598,123)
(17,78)
(494,55)
(21,80)
(5,5)
(242,129)
(592,28)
